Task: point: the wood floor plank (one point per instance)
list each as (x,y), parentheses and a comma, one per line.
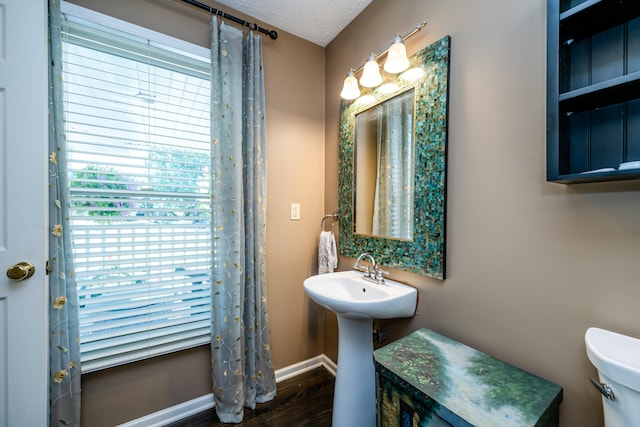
(304,400)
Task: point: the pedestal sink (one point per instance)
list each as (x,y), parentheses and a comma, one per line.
(357,302)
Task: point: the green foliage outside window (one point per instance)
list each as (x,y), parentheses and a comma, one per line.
(102,178)
(104,193)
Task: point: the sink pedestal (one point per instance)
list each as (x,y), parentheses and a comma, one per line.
(354,399)
(357,302)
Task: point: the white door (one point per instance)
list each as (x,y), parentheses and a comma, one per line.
(23,191)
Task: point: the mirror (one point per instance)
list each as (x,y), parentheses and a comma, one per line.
(399,128)
(383,171)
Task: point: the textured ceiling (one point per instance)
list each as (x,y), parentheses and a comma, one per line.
(318,21)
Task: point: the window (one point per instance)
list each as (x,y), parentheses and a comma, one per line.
(137,128)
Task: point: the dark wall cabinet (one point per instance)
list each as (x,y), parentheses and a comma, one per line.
(593,90)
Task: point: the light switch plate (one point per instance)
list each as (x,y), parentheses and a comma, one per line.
(295,211)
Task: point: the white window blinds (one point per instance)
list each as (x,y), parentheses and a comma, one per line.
(137,128)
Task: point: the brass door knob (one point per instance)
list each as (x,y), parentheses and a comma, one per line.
(21,271)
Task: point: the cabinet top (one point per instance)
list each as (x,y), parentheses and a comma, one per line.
(477,387)
(594,16)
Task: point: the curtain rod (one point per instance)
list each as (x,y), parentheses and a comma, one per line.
(271,33)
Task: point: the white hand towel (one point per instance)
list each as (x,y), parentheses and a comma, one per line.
(327,253)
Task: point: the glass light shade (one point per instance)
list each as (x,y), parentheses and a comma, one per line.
(397,60)
(371,74)
(350,89)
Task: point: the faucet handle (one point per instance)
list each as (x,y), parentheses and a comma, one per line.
(370,272)
(379,274)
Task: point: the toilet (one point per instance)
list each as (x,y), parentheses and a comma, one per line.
(617,358)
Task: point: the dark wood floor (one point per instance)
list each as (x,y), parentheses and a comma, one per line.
(305,400)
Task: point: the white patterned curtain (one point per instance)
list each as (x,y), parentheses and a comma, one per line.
(64,346)
(242,371)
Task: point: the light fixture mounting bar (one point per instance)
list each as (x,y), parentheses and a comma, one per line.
(404,37)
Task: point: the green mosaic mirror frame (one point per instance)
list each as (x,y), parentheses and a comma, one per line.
(425,253)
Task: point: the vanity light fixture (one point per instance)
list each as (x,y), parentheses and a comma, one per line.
(396,62)
(350,89)
(371,73)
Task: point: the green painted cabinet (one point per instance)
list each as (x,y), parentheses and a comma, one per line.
(426,380)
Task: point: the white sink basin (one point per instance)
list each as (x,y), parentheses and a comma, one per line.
(347,294)
(357,302)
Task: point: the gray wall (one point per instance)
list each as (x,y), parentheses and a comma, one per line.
(531,265)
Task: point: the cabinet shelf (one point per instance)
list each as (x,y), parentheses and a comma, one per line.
(609,92)
(594,16)
(593,90)
(615,175)
(580,8)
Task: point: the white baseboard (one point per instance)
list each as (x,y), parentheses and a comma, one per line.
(203,403)
(306,366)
(174,413)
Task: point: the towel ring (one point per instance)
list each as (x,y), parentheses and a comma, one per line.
(334,217)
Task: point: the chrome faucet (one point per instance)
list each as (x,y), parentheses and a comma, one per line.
(365,269)
(373,273)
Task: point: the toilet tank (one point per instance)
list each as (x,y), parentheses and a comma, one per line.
(617,359)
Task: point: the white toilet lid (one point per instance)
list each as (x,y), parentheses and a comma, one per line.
(615,355)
